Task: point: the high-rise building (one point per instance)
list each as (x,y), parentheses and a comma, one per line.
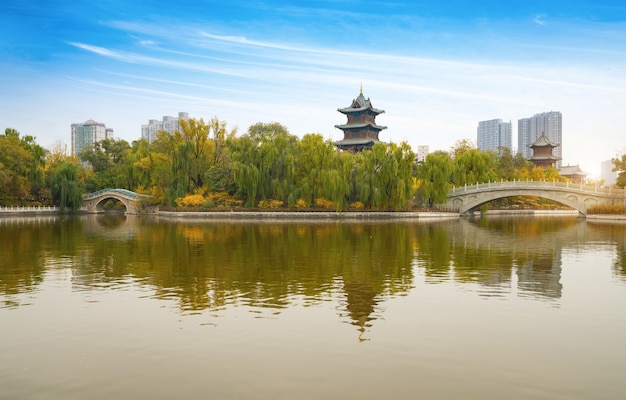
(493,134)
(607,173)
(422,152)
(168,124)
(530,129)
(86,134)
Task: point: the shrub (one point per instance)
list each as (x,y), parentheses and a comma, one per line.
(191,200)
(357,205)
(224,199)
(323,203)
(301,204)
(271,204)
(607,209)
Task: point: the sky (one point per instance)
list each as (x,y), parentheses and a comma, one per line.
(437,68)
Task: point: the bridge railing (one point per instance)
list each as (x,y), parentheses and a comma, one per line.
(537,184)
(28,209)
(125,192)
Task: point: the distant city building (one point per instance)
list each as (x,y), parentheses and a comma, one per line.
(531,129)
(422,152)
(86,134)
(607,173)
(543,152)
(168,124)
(493,134)
(361,131)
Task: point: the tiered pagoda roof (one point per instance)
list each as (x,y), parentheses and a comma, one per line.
(542,152)
(361,130)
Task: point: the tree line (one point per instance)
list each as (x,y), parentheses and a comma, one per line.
(207,165)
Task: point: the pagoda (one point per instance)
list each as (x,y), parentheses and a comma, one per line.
(361,131)
(542,152)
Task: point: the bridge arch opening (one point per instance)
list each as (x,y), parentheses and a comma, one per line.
(111,205)
(521,202)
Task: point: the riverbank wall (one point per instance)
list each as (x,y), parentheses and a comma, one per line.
(312,215)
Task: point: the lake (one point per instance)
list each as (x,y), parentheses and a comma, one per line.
(116,306)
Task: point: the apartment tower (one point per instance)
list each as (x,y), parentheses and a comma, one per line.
(530,129)
(493,134)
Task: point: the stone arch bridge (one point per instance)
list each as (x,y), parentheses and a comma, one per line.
(577,196)
(94,202)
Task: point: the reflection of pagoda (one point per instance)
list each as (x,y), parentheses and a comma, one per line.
(360,304)
(542,152)
(361,131)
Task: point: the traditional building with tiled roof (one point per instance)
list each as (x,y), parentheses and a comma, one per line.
(361,130)
(542,152)
(574,173)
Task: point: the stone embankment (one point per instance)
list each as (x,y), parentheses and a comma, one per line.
(311,215)
(28,210)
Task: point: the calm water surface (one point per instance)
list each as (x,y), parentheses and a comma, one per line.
(113,306)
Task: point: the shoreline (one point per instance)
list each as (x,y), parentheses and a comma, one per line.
(328,215)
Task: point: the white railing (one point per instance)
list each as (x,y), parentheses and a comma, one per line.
(539,185)
(23,209)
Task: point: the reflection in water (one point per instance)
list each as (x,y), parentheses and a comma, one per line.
(267,266)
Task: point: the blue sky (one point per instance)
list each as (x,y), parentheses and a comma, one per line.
(436,68)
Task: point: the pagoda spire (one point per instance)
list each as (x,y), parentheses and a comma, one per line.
(361,90)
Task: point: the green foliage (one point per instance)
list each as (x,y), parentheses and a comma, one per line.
(619,166)
(473,166)
(263,163)
(66,190)
(434,177)
(264,167)
(22,164)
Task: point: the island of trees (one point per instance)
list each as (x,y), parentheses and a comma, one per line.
(206,165)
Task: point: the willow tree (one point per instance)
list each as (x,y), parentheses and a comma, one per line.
(434,177)
(384,175)
(474,166)
(65,186)
(313,171)
(263,163)
(218,174)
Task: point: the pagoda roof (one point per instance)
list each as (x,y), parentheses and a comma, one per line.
(571,170)
(360,104)
(543,141)
(545,157)
(355,142)
(361,125)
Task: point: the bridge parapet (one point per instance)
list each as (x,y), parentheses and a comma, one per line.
(539,185)
(577,196)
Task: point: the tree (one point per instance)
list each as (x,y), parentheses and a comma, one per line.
(18,164)
(619,166)
(315,158)
(65,186)
(434,177)
(264,163)
(461,147)
(473,166)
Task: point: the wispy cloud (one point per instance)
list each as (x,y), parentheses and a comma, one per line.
(540,19)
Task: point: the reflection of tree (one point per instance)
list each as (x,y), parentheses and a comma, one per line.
(267,266)
(486,251)
(433,251)
(530,245)
(263,266)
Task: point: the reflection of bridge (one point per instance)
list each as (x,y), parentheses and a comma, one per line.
(94,202)
(469,198)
